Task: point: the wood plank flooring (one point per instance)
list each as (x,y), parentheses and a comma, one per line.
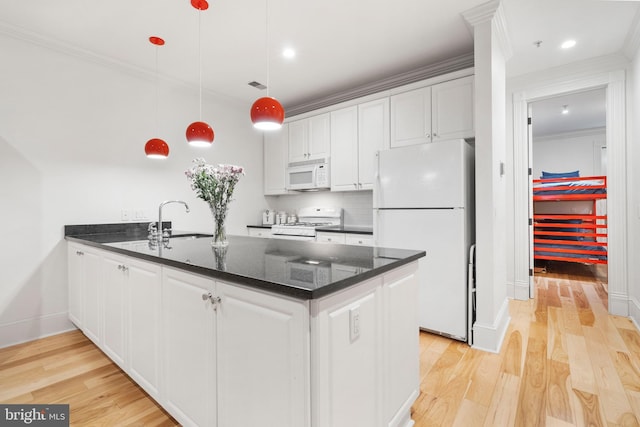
(564,362)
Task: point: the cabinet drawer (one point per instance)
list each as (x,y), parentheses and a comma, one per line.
(359,239)
(330,238)
(259,232)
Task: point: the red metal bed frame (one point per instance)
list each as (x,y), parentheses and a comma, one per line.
(590,229)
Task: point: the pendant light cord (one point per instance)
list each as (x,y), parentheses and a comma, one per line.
(200,57)
(266,27)
(157,94)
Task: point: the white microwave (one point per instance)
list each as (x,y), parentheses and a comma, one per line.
(309,175)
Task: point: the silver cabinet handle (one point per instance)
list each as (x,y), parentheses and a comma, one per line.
(428,135)
(213,300)
(435,135)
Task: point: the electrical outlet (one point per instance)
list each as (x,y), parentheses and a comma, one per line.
(354,323)
(140,214)
(125,214)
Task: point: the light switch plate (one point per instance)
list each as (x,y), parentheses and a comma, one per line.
(125,214)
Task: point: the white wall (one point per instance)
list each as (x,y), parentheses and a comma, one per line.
(357,205)
(633,186)
(72,135)
(569,152)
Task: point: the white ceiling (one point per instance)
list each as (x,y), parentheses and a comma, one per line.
(586,110)
(341,44)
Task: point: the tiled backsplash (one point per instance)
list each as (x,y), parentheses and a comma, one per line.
(357,205)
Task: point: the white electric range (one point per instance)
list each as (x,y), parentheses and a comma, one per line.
(308,220)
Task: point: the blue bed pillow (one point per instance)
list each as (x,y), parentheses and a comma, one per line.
(549,175)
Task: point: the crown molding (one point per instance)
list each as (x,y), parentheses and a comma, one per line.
(491,11)
(443,67)
(632,42)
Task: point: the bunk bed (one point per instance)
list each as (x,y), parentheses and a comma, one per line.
(561,234)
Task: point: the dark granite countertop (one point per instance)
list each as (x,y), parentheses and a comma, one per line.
(304,270)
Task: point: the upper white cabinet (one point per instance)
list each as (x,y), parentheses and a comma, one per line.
(276,147)
(309,138)
(411,117)
(438,112)
(357,133)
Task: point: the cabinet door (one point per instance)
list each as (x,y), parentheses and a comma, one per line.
(92,299)
(349,375)
(75,286)
(189,361)
(276,144)
(411,117)
(114,305)
(298,140)
(373,136)
(262,359)
(452,109)
(344,149)
(319,136)
(401,343)
(144,290)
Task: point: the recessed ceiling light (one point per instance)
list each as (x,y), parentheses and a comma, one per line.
(568,44)
(288,52)
(565,109)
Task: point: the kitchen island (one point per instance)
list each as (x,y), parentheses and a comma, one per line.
(262,332)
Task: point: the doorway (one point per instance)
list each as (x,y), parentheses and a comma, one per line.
(614,84)
(568,202)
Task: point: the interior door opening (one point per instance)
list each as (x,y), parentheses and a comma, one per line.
(567,190)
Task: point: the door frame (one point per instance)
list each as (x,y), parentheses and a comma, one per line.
(615,84)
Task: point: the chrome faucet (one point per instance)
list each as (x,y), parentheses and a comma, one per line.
(166,202)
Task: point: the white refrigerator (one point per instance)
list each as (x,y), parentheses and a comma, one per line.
(424,199)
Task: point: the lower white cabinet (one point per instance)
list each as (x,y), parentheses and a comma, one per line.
(214,353)
(344,238)
(85,298)
(189,352)
(259,232)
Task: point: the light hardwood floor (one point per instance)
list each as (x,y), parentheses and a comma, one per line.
(564,362)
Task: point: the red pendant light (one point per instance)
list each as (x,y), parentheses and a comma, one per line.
(267,113)
(199,133)
(156,148)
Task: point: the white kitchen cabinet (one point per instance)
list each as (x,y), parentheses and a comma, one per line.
(189,352)
(349,349)
(85,297)
(259,232)
(309,138)
(324,237)
(411,118)
(438,112)
(373,136)
(357,133)
(143,290)
(402,370)
(344,149)
(114,308)
(275,384)
(358,239)
(276,146)
(452,109)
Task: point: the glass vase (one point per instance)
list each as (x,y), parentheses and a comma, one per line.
(219,231)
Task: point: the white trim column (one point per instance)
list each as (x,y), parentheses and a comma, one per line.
(491,50)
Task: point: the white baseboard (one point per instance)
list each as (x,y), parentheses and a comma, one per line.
(489,337)
(521,291)
(619,304)
(634,311)
(34,328)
